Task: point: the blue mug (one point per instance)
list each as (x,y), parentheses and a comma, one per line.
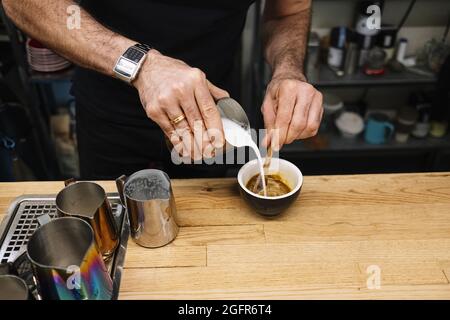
(378,129)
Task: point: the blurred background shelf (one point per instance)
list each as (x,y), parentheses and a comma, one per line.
(4,37)
(50,77)
(342,155)
(325,77)
(335,142)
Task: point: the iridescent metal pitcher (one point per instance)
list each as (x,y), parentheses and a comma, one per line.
(88,201)
(66,262)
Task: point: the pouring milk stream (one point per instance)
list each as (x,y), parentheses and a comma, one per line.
(238,136)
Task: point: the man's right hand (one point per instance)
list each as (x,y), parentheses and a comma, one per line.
(169,88)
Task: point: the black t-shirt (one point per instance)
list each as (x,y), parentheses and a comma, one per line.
(203,33)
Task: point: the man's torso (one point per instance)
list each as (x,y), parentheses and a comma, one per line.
(205,34)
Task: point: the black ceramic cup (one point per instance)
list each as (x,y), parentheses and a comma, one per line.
(271,206)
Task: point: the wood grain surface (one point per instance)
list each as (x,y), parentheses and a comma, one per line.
(320,248)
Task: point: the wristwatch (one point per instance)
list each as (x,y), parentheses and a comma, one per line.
(129,64)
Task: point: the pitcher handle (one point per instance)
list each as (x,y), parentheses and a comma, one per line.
(70,181)
(390,128)
(120,183)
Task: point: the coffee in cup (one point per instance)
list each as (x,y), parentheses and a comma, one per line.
(275,184)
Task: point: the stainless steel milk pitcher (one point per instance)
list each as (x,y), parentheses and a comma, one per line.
(150,203)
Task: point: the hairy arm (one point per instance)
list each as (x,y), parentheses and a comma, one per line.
(92,46)
(286,26)
(168,88)
(292,107)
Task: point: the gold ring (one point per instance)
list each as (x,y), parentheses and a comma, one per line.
(178,119)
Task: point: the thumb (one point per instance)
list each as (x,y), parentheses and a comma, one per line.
(216,92)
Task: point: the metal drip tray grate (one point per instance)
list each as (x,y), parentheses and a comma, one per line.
(22,227)
(20,223)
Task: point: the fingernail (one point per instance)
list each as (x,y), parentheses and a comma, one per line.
(276,147)
(209,151)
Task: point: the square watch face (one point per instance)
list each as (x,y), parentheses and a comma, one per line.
(126,67)
(134,55)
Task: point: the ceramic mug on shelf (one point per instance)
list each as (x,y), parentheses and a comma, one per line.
(378,129)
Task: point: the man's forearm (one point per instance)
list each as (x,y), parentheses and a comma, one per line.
(92,46)
(285,38)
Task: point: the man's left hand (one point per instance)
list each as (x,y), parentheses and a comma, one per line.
(292,106)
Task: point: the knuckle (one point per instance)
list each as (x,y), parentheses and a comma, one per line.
(209,110)
(179,88)
(309,92)
(319,97)
(151,113)
(307,86)
(307,135)
(289,137)
(189,109)
(319,119)
(290,140)
(163,99)
(313,128)
(299,124)
(265,108)
(197,74)
(319,100)
(290,84)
